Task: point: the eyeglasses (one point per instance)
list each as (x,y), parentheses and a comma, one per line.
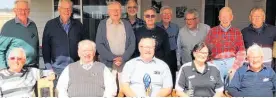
(16,58)
(23,10)
(67,9)
(150,16)
(147,47)
(189,19)
(132,7)
(204,53)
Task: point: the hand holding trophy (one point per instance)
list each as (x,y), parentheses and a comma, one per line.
(147,81)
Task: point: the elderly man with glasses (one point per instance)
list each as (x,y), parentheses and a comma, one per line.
(23,29)
(18,80)
(159,34)
(132,9)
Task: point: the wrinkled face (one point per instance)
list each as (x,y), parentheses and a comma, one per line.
(114,12)
(225,18)
(255,59)
(166,15)
(201,55)
(191,21)
(22,10)
(65,10)
(257,18)
(146,48)
(16,61)
(132,8)
(149,17)
(86,53)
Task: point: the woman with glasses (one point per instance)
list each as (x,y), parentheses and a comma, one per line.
(153,31)
(199,78)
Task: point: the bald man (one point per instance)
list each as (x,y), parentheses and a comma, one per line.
(226,44)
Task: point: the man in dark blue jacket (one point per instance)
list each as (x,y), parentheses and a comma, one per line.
(60,39)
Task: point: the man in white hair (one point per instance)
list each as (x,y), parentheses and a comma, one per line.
(253,79)
(86,77)
(18,80)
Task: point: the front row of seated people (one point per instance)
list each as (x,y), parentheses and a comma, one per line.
(143,76)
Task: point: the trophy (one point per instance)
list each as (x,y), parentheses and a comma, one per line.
(147,81)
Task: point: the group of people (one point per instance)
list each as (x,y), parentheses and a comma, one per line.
(139,57)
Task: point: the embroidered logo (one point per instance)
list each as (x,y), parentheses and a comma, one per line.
(265,79)
(212,78)
(191,77)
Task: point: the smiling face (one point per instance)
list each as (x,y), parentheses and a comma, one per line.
(166,15)
(225,17)
(86,52)
(22,10)
(114,11)
(146,48)
(255,59)
(16,60)
(191,21)
(149,17)
(65,10)
(201,55)
(132,8)
(257,18)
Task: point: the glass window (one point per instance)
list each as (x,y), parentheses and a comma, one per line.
(212,8)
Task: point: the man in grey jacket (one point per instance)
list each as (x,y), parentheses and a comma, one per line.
(115,40)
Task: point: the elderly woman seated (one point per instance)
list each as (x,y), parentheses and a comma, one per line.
(16,80)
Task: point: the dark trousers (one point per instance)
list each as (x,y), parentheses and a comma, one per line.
(172,63)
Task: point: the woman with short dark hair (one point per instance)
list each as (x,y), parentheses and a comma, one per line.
(199,78)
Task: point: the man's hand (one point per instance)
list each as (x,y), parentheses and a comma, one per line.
(51,77)
(231,73)
(118,61)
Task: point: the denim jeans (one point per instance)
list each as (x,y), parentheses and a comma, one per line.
(224,65)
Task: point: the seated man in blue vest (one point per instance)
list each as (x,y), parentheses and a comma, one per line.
(16,80)
(253,79)
(86,78)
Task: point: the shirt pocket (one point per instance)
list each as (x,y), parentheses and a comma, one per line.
(156,79)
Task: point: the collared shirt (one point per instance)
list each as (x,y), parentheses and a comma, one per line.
(109,82)
(66,26)
(247,83)
(18,21)
(264,37)
(172,31)
(116,36)
(225,29)
(226,44)
(135,70)
(197,84)
(137,24)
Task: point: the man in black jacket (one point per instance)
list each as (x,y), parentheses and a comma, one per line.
(60,39)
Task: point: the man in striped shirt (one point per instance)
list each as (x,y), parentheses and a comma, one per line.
(17,81)
(226,44)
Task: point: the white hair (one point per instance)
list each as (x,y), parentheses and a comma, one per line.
(25,1)
(255,48)
(114,3)
(165,8)
(16,50)
(148,39)
(60,1)
(87,42)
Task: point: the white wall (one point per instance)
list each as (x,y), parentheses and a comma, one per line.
(41,12)
(241,10)
(197,4)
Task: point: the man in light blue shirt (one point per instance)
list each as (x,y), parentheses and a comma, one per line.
(146,75)
(172,30)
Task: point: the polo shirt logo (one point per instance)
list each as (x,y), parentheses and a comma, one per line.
(265,79)
(191,77)
(157,72)
(212,78)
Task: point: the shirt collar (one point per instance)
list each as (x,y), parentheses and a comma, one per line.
(204,71)
(86,66)
(248,68)
(152,61)
(18,21)
(161,24)
(225,29)
(69,21)
(263,26)
(109,21)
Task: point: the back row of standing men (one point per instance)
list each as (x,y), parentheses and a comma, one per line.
(117,39)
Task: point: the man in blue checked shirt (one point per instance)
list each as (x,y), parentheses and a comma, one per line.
(253,79)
